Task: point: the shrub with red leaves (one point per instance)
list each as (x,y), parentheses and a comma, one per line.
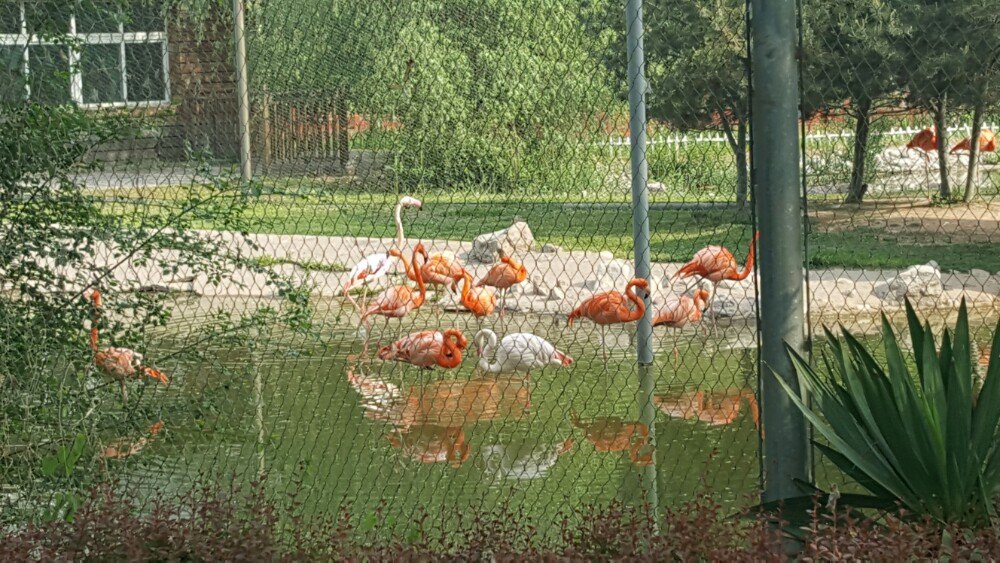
(214,525)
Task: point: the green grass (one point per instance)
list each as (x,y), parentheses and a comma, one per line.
(678,230)
(309,265)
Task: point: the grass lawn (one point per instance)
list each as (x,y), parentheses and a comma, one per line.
(678,230)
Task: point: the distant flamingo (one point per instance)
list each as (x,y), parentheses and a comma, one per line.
(520,352)
(124,448)
(611,307)
(987,143)
(681,310)
(396,302)
(717,263)
(118,363)
(924,141)
(503,276)
(427,349)
(481,301)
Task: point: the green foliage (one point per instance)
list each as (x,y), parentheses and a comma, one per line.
(928,442)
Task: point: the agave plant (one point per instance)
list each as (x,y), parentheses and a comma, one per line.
(923,440)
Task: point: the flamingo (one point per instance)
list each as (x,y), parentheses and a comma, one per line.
(124,448)
(681,310)
(118,363)
(396,302)
(518,352)
(987,143)
(611,307)
(481,301)
(924,141)
(427,349)
(717,263)
(376,266)
(439,269)
(503,276)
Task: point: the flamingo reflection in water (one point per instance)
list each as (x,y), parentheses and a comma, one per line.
(523,462)
(428,422)
(613,434)
(715,408)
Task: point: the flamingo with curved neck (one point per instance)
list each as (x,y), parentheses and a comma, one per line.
(680,311)
(611,307)
(717,263)
(397,214)
(427,349)
(481,301)
(396,302)
(519,352)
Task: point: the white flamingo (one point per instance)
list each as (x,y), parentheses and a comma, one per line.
(374,267)
(517,352)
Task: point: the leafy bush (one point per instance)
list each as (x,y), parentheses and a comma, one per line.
(928,442)
(211,524)
(54,231)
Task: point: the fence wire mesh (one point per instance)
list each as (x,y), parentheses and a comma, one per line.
(270,318)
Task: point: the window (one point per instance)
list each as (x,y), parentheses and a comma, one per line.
(89,52)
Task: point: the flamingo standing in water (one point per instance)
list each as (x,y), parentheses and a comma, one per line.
(396,302)
(439,270)
(611,307)
(680,311)
(717,263)
(481,301)
(503,276)
(520,352)
(121,364)
(427,349)
(376,266)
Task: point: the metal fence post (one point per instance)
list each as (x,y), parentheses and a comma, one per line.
(640,230)
(774,119)
(242,90)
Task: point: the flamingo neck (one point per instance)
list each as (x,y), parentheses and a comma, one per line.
(398,216)
(407,266)
(96,298)
(640,305)
(419,277)
(487,352)
(748,266)
(467,291)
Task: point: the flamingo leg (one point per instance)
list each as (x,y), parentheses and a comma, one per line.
(124,391)
(604,346)
(676,354)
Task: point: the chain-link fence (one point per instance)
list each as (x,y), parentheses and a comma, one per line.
(448,166)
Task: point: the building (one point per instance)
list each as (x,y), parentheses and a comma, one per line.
(173,69)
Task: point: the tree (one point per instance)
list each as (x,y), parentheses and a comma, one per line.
(698,71)
(849,64)
(931,67)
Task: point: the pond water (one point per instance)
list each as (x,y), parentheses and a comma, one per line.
(348,431)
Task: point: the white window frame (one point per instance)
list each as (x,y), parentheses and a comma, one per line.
(121,38)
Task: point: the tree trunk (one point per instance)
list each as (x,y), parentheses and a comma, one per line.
(858,187)
(941,123)
(977,127)
(738,144)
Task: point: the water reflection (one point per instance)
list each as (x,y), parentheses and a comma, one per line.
(523,461)
(427,421)
(613,434)
(715,408)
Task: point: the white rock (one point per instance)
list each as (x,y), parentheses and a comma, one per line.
(517,238)
(607,255)
(845,287)
(656,187)
(914,282)
(556,294)
(549,248)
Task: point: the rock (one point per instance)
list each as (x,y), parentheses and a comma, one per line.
(607,255)
(914,282)
(549,248)
(845,287)
(556,294)
(488,248)
(656,187)
(980,275)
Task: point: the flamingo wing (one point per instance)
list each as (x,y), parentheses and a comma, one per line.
(393,302)
(119,363)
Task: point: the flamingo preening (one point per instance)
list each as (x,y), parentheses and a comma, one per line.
(427,349)
(612,307)
(503,276)
(121,364)
(395,302)
(681,310)
(520,352)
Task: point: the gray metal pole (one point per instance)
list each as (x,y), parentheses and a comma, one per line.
(774,119)
(242,90)
(640,229)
